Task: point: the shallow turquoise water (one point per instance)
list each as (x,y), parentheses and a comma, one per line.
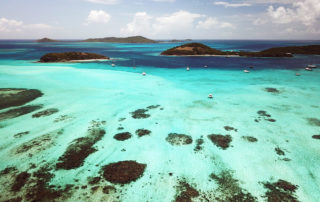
(92,91)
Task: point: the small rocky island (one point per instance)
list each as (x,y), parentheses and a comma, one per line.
(46,40)
(132,39)
(72,57)
(198,49)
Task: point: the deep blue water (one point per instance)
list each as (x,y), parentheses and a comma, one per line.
(147,55)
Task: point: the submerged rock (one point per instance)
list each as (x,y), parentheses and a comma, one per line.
(272,90)
(199,143)
(178,139)
(265,116)
(316,137)
(16,112)
(313,121)
(222,141)
(10,97)
(250,138)
(279,151)
(80,149)
(140,114)
(153,106)
(280,191)
(123,172)
(229,128)
(18,135)
(122,136)
(143,132)
(46,112)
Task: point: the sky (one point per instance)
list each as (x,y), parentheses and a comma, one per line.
(160,19)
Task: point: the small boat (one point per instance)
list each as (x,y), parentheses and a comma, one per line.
(246,71)
(308,69)
(113,65)
(210,96)
(206,66)
(298,74)
(312,66)
(188,68)
(143,74)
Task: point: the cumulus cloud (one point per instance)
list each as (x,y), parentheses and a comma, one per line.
(303,11)
(98,16)
(177,24)
(141,23)
(227,4)
(109,2)
(10,25)
(211,23)
(178,21)
(164,1)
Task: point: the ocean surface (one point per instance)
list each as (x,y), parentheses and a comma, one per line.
(270,116)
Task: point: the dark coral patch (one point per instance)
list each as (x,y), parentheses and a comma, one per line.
(13,113)
(250,138)
(229,128)
(187,192)
(142,132)
(316,137)
(279,151)
(123,172)
(280,191)
(178,139)
(263,113)
(108,189)
(222,141)
(20,181)
(265,116)
(272,90)
(46,112)
(10,97)
(80,149)
(140,114)
(229,188)
(153,106)
(18,135)
(199,143)
(122,136)
(313,121)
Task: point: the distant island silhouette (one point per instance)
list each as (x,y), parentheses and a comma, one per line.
(198,49)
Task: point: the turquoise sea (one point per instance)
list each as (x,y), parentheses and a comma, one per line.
(271,131)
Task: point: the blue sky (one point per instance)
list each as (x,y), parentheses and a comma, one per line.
(160,19)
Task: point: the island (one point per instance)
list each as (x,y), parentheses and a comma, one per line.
(72,57)
(46,40)
(198,49)
(132,39)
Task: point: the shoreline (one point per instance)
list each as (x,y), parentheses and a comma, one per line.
(202,55)
(76,61)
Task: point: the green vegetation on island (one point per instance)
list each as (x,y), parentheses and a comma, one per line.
(198,49)
(71,56)
(46,40)
(133,39)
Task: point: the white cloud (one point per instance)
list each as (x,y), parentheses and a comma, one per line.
(175,25)
(98,16)
(9,25)
(171,1)
(211,23)
(176,22)
(303,11)
(141,23)
(234,5)
(108,2)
